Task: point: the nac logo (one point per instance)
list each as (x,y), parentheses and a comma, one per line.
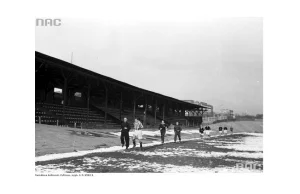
(250,166)
(47,22)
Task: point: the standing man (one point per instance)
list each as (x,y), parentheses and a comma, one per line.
(208,128)
(220,130)
(231,129)
(177,130)
(162,127)
(225,130)
(201,130)
(207,131)
(137,133)
(125,128)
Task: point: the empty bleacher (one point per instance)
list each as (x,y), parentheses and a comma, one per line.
(56,114)
(42,116)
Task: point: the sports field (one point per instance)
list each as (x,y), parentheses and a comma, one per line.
(238,152)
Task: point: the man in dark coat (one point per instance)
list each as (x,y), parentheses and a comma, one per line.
(162,127)
(125,128)
(177,130)
(201,130)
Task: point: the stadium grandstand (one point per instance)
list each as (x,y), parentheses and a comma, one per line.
(207,117)
(69,95)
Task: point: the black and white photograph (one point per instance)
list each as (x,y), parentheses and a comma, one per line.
(160,96)
(149,97)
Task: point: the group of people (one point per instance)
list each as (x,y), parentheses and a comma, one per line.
(206,130)
(163,127)
(137,134)
(224,130)
(177,131)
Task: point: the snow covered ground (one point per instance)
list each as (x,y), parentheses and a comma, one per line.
(217,154)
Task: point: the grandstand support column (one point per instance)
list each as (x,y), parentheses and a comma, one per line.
(180,108)
(145,114)
(164,107)
(188,117)
(134,104)
(152,105)
(106,100)
(155,111)
(198,118)
(173,109)
(121,103)
(45,92)
(88,102)
(65,94)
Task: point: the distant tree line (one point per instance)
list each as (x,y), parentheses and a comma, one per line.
(248,117)
(259,116)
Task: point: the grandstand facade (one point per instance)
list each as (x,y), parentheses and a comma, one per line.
(204,110)
(69,95)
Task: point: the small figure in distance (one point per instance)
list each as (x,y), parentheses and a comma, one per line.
(208,130)
(225,130)
(201,130)
(220,130)
(231,129)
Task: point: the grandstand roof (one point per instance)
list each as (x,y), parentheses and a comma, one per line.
(57,62)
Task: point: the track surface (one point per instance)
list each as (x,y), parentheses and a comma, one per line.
(229,153)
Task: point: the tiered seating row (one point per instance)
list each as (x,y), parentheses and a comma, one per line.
(60,105)
(47,119)
(72,115)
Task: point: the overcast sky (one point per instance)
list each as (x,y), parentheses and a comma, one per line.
(218,61)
